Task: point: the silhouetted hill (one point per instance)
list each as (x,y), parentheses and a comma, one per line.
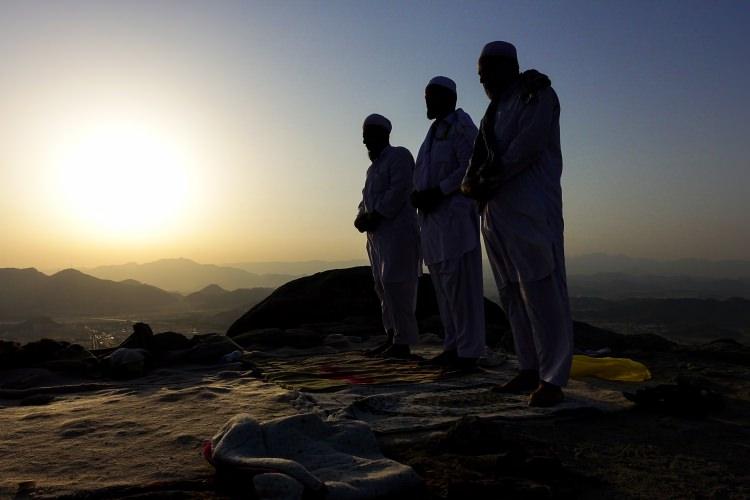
(621,286)
(213,297)
(36,328)
(604,263)
(26,293)
(730,313)
(297,268)
(683,320)
(187,276)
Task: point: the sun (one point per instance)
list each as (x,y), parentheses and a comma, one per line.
(123,179)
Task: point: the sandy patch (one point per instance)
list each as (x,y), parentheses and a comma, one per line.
(145,430)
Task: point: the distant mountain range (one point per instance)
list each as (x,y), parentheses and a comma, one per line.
(729,313)
(682,319)
(187,276)
(621,277)
(214,298)
(28,293)
(622,286)
(128,288)
(699,268)
(598,275)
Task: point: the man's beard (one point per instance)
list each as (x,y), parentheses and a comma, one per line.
(372,155)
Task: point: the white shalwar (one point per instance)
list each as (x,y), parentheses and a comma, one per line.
(450,234)
(523,231)
(393,247)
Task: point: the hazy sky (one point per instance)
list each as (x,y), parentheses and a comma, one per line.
(231,131)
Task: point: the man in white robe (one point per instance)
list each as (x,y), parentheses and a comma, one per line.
(390,222)
(449,227)
(515,174)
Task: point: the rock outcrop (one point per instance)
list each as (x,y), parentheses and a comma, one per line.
(344,301)
(344,296)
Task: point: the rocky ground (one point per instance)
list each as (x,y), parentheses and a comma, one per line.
(141,438)
(630,454)
(134,428)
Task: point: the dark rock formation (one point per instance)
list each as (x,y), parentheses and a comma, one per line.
(591,337)
(323,297)
(46,353)
(158,344)
(210,348)
(8,353)
(346,298)
(273,338)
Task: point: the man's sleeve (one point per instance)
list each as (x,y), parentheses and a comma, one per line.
(466,133)
(478,155)
(534,125)
(401,185)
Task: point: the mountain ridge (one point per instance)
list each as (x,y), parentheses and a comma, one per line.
(28,293)
(187,276)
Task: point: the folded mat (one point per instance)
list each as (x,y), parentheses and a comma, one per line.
(333,460)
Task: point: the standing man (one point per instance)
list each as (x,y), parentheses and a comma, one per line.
(515,173)
(392,236)
(449,226)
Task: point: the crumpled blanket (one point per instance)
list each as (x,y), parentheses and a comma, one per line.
(332,460)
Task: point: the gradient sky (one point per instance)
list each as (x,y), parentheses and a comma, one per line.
(258,107)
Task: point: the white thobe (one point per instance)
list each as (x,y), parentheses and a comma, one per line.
(522,226)
(393,247)
(450,234)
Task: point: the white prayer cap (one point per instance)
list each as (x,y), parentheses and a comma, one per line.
(379,121)
(443,81)
(499,49)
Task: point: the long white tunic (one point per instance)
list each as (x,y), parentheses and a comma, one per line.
(523,221)
(452,229)
(394,245)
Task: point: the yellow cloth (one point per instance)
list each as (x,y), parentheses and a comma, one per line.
(619,369)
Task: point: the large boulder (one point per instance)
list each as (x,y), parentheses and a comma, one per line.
(210,348)
(323,297)
(158,345)
(54,355)
(9,354)
(345,299)
(128,362)
(341,296)
(168,348)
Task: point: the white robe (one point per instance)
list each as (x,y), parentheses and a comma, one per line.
(522,226)
(452,228)
(393,247)
(450,234)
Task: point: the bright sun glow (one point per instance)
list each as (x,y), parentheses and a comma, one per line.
(124,180)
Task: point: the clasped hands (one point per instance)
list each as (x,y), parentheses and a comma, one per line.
(427,200)
(367,221)
(480,187)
